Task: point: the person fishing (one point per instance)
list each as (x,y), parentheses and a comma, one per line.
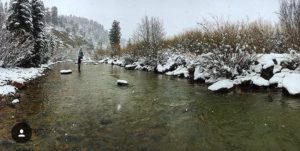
(80,57)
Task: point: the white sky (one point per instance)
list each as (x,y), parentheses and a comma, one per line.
(177,15)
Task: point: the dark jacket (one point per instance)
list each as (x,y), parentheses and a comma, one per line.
(80,55)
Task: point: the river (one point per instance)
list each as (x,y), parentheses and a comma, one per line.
(88,111)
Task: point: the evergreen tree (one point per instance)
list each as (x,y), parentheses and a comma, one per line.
(38,20)
(54,15)
(20,19)
(114,37)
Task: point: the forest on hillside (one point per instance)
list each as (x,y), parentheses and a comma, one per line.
(31,33)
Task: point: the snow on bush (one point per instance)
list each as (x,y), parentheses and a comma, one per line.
(16,50)
(227,63)
(180,71)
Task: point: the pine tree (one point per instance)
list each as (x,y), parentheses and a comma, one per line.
(114,37)
(38,20)
(54,16)
(20,19)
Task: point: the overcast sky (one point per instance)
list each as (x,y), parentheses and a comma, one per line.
(177,15)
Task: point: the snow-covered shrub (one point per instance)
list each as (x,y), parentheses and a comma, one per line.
(16,50)
(225,62)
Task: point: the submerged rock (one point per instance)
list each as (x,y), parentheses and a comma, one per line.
(105,121)
(122,83)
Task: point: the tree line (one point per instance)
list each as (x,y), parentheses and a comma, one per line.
(31,34)
(23,40)
(220,35)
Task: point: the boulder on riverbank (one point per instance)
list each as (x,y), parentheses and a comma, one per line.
(122,83)
(15,101)
(130,67)
(291,84)
(222,86)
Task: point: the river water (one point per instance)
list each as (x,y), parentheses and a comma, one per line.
(88,111)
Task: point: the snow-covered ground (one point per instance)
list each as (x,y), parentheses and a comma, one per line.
(8,76)
(281,70)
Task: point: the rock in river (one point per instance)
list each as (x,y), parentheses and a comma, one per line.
(66,71)
(122,82)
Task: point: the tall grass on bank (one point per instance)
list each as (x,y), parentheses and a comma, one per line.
(258,36)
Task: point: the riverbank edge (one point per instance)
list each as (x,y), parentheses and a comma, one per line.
(6,99)
(244,86)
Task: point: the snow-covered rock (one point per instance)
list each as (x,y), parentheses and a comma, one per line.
(180,71)
(200,74)
(272,59)
(104,60)
(118,62)
(168,65)
(66,71)
(291,83)
(130,67)
(15,101)
(222,85)
(110,61)
(278,78)
(259,81)
(122,82)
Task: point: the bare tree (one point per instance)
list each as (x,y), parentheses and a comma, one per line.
(149,36)
(290,20)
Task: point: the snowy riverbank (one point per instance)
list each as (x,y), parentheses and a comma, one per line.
(12,79)
(266,70)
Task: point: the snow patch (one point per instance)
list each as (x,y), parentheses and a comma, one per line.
(7,90)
